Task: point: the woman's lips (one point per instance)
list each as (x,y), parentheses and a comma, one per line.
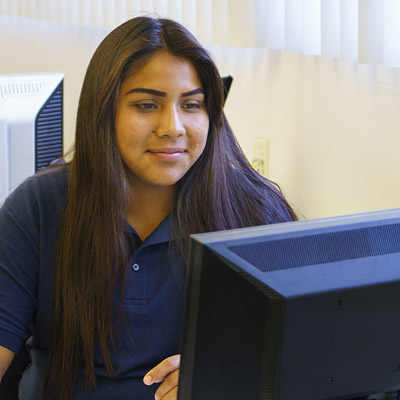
(168,154)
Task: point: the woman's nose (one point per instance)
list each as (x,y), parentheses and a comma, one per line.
(170,123)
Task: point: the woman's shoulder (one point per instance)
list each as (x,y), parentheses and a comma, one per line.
(45,190)
(52,178)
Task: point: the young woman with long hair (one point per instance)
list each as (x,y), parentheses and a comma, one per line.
(93,252)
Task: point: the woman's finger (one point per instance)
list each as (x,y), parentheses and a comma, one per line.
(168,390)
(162,370)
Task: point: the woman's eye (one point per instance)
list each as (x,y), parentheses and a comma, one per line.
(192,106)
(145,106)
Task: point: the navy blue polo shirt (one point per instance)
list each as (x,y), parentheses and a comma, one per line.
(149,331)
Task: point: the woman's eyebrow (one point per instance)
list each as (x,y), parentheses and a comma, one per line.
(162,94)
(192,92)
(144,90)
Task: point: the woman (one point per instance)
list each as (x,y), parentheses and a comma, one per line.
(92,252)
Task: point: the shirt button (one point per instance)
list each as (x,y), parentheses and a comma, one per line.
(135,267)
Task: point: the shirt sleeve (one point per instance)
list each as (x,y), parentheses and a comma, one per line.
(19,254)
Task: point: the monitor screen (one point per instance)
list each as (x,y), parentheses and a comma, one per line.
(298,310)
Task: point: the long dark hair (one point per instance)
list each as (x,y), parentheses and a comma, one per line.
(220,191)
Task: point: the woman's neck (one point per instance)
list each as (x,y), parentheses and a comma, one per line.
(148,208)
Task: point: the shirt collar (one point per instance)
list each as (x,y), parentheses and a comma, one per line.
(160,234)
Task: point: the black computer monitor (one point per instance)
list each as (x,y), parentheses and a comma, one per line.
(227,83)
(301,310)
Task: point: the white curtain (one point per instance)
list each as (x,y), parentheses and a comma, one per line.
(365,31)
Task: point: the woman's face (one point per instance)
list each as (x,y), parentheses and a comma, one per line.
(161,123)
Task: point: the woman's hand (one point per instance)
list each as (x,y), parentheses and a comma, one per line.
(166,372)
(6,356)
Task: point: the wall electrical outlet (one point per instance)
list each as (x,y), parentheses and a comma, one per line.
(260,160)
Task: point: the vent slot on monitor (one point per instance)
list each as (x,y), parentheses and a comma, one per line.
(315,249)
(20,88)
(49,130)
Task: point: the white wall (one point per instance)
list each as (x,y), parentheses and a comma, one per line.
(333,126)
(349,138)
